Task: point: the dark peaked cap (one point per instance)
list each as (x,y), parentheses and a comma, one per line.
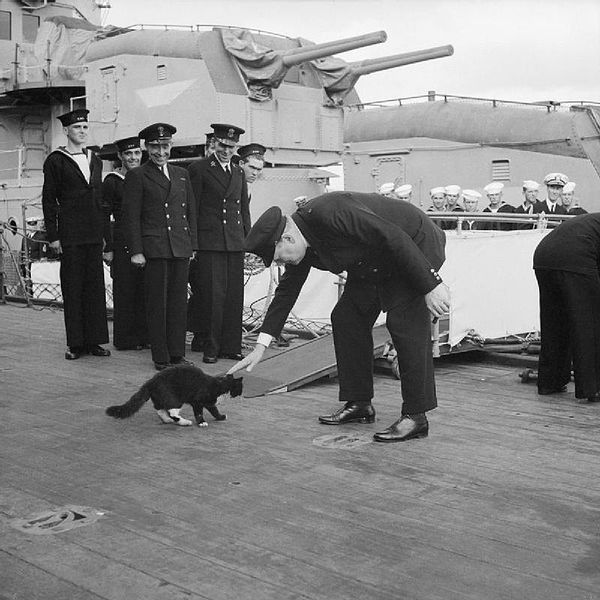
(157,132)
(229,134)
(265,233)
(79,115)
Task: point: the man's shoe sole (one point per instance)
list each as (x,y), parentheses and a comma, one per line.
(412,436)
(345,422)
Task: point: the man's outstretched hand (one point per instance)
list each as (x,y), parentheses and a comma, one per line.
(250,361)
(438,300)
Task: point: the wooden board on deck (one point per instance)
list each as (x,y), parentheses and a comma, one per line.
(301,364)
(501,501)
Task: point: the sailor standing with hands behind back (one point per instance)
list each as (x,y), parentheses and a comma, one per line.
(78,229)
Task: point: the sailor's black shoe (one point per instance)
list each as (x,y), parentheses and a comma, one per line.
(73,353)
(405,428)
(98,351)
(548,391)
(351,412)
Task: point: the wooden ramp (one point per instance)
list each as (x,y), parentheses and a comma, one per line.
(300,365)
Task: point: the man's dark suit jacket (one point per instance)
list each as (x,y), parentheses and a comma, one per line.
(223,206)
(542,207)
(73,211)
(159,214)
(379,240)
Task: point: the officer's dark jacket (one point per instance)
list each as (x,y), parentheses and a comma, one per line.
(73,211)
(159,214)
(223,205)
(542,207)
(379,241)
(572,246)
(112,198)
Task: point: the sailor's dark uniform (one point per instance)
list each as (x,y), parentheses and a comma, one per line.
(566,264)
(129,314)
(73,214)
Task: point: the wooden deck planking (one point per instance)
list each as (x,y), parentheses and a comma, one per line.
(500,501)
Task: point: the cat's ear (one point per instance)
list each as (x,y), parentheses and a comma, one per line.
(229,377)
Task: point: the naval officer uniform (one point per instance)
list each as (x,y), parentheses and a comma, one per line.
(391,252)
(217,275)
(160,220)
(566,264)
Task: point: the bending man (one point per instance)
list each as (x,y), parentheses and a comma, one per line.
(391,251)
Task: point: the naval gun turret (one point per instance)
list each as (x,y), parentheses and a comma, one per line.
(287,93)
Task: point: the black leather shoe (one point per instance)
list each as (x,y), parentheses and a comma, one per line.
(73,353)
(282,342)
(548,391)
(351,412)
(232,356)
(594,398)
(209,359)
(98,351)
(160,366)
(181,360)
(405,428)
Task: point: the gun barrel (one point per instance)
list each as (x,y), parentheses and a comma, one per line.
(364,67)
(300,55)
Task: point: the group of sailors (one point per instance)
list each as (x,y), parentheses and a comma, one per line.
(560,200)
(160,227)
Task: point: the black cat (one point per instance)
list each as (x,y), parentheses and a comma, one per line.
(171,388)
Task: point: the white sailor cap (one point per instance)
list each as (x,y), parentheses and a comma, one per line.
(569,187)
(531,186)
(559,179)
(452,189)
(386,188)
(437,190)
(403,191)
(493,188)
(471,195)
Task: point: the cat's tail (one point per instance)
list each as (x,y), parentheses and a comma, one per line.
(122,411)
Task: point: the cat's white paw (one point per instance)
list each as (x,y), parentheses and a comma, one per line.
(164,416)
(203,424)
(175,418)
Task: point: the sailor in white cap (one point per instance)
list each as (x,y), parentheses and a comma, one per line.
(404,192)
(568,200)
(471,200)
(452,193)
(387,190)
(494,192)
(530,199)
(438,204)
(555,182)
